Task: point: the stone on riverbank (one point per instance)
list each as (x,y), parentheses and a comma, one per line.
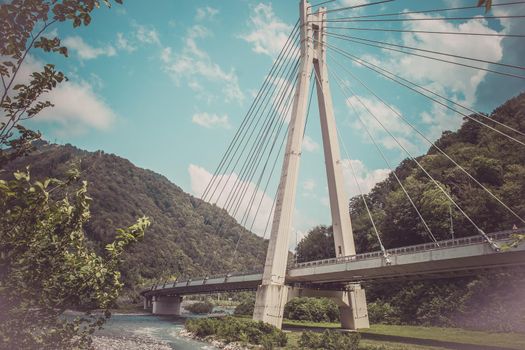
(128,343)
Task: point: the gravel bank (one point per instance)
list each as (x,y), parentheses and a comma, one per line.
(128,343)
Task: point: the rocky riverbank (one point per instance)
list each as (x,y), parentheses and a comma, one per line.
(128,343)
(217,343)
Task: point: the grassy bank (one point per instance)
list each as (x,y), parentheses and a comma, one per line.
(455,335)
(293,344)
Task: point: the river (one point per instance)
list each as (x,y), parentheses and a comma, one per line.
(159,328)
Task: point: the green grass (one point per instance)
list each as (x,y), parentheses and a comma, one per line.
(509,340)
(381,345)
(293,344)
(457,335)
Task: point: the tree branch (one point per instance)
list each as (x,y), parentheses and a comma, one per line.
(21,60)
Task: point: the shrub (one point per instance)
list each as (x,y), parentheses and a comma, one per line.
(329,340)
(382,312)
(200,307)
(231,329)
(310,340)
(245,307)
(202,327)
(312,309)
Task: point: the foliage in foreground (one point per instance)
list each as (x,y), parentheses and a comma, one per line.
(204,307)
(47,265)
(230,329)
(329,340)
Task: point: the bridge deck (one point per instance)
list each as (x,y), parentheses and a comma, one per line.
(463,256)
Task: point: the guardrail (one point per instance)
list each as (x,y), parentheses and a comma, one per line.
(464,241)
(225,277)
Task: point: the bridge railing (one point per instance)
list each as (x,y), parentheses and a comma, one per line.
(464,241)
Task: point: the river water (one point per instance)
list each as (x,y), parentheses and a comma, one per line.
(166,329)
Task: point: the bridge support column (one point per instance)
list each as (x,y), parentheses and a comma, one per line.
(351,303)
(354,314)
(167,305)
(147,302)
(269,303)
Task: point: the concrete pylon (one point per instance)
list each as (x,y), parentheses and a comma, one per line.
(342,227)
(272,294)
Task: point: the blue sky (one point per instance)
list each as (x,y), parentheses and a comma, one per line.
(166,83)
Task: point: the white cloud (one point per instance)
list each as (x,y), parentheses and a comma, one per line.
(347,3)
(354,11)
(146,34)
(211,120)
(385,116)
(366,178)
(165,55)
(455,82)
(309,144)
(309,185)
(193,63)
(123,43)
(200,177)
(85,51)
(460,82)
(268,33)
(78,107)
(206,12)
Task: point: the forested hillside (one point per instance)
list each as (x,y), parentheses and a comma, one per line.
(186,236)
(494,160)
(494,301)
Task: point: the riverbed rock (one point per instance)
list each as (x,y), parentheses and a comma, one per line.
(128,343)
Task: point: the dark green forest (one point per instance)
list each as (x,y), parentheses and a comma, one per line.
(492,301)
(187,236)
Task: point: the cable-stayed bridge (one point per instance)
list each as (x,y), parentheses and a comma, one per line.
(273,131)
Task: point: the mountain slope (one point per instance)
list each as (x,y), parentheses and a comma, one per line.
(491,158)
(187,235)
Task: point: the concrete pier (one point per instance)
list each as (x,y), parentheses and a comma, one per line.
(167,305)
(147,303)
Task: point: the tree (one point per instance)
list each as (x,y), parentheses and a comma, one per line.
(23,25)
(318,244)
(47,266)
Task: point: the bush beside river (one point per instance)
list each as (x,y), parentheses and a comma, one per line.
(232,330)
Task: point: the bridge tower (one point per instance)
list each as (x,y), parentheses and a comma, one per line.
(273,294)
